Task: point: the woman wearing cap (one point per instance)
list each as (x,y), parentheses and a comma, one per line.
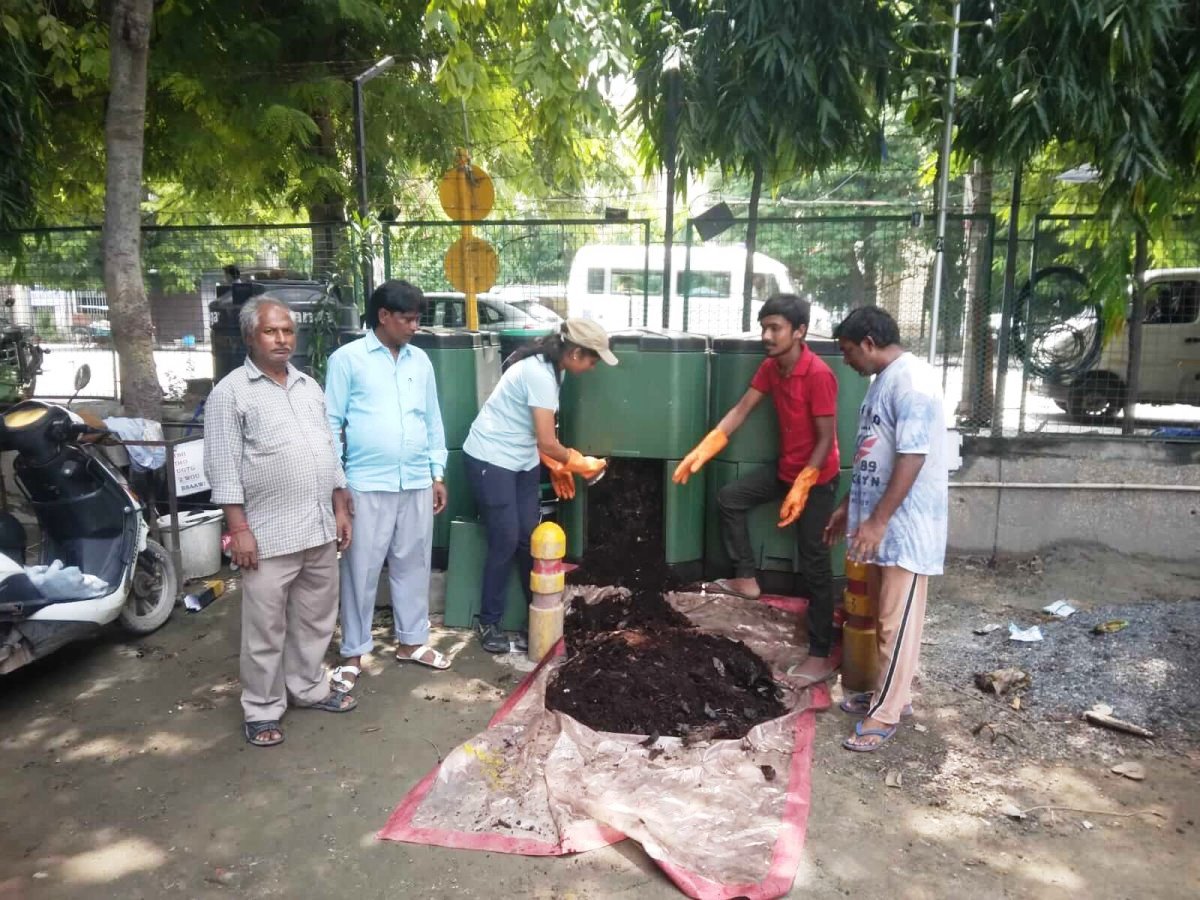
(513,431)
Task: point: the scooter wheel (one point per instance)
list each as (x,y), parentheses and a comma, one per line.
(152,595)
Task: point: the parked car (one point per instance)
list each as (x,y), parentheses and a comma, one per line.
(447,309)
(1170,367)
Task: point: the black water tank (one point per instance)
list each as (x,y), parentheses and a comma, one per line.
(302,297)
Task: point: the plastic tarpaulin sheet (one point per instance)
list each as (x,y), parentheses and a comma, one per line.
(722,818)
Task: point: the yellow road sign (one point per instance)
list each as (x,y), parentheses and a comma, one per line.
(471,265)
(466,192)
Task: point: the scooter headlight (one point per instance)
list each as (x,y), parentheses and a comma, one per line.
(25,415)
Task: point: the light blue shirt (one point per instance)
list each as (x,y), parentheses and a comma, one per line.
(389,409)
(903,413)
(503,433)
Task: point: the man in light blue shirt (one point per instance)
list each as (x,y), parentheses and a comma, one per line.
(381,395)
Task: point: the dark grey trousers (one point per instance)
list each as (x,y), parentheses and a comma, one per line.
(737,499)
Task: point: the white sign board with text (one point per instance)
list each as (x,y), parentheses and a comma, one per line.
(189,468)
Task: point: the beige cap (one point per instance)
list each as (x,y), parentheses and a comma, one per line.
(589,335)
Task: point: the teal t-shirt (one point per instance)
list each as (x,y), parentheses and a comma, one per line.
(503,434)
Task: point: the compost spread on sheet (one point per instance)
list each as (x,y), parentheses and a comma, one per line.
(636,666)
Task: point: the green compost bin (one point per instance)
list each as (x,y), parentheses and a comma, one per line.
(466,366)
(513,339)
(652,406)
(464,580)
(735,360)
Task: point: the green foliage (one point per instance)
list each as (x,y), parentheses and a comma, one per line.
(534,76)
(791,88)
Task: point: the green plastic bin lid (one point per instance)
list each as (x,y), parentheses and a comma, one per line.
(751,342)
(657,340)
(451,339)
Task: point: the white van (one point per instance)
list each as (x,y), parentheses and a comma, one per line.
(607,284)
(1170,370)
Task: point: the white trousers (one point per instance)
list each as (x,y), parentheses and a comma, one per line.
(396,526)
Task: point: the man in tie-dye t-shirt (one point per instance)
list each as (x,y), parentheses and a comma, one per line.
(895,517)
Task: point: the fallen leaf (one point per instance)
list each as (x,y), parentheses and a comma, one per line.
(919,727)
(1012,811)
(894,778)
(1134,771)
(1016,702)
(1001,681)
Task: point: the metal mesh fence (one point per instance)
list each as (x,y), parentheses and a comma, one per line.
(54,279)
(541,269)
(842,262)
(1073,326)
(1068,363)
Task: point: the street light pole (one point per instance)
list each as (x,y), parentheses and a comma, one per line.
(360,157)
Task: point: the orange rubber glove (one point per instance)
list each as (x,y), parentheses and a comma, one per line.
(797,497)
(561,480)
(714,442)
(563,484)
(586,466)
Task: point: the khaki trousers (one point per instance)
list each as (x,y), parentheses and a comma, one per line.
(289,607)
(900,600)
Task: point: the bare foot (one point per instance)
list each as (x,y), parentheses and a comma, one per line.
(812,670)
(739,587)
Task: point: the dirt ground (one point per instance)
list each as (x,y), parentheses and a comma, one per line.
(122,772)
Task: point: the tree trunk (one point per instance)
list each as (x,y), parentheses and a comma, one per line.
(124,135)
(328,239)
(1133,376)
(975,405)
(751,244)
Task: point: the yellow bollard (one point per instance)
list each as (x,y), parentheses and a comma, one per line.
(548,546)
(860,660)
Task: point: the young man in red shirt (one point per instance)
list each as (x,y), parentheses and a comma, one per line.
(806,477)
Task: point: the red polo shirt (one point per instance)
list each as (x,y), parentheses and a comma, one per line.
(808,391)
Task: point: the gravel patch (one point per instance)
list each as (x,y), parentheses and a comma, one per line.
(1148,672)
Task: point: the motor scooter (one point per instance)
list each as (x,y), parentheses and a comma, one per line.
(89,518)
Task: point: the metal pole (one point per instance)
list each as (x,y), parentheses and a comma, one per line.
(360,157)
(360,147)
(671,77)
(939,245)
(1007,302)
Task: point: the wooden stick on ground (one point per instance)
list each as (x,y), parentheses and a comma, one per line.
(1104,720)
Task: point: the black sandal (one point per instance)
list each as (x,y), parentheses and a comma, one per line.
(252,730)
(333,703)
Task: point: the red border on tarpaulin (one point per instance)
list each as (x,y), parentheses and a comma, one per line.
(785,855)
(577,839)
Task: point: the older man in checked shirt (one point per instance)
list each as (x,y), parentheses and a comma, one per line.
(273,467)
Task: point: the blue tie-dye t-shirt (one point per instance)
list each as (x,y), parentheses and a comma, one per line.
(903,413)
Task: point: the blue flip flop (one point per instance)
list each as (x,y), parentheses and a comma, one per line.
(860,704)
(886,734)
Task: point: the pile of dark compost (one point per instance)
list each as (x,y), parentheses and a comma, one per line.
(657,677)
(625,545)
(641,611)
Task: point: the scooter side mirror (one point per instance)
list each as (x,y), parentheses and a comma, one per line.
(83,376)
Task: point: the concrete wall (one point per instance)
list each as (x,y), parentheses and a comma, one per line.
(1024,520)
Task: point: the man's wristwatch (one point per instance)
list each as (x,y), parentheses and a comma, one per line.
(439,479)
